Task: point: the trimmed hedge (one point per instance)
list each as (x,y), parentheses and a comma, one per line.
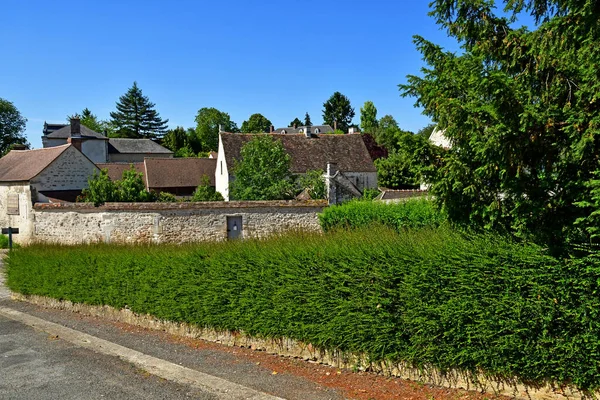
(433,297)
(414,213)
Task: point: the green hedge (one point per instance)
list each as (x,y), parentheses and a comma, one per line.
(413,213)
(428,297)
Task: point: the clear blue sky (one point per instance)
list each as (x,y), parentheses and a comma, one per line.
(278,58)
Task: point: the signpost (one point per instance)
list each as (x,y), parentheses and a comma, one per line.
(10,231)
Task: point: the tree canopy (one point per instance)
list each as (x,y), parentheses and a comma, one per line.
(90,120)
(208,121)
(12,126)
(307,121)
(257,123)
(136,117)
(263,172)
(296,122)
(338,109)
(368,118)
(520,108)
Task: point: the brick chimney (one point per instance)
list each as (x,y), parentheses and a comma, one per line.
(272,129)
(334,125)
(75,127)
(76,141)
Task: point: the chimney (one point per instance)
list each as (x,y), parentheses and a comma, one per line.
(330,183)
(307,132)
(331,168)
(75,127)
(351,130)
(220,128)
(295,126)
(272,129)
(76,141)
(334,125)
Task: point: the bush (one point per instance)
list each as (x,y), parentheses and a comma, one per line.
(166,197)
(205,192)
(432,297)
(413,213)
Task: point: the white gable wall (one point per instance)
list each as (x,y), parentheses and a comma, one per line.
(96,150)
(24,220)
(222,177)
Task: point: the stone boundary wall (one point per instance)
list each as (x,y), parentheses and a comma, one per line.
(292,348)
(78,223)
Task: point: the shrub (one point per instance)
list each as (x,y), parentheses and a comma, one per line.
(413,213)
(166,197)
(314,183)
(431,297)
(205,192)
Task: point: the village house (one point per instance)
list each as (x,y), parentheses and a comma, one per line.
(53,174)
(344,158)
(178,176)
(99,148)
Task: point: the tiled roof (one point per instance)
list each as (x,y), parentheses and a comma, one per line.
(115,170)
(167,172)
(136,146)
(23,165)
(347,151)
(300,129)
(179,172)
(65,133)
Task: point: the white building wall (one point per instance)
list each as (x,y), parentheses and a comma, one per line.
(362,180)
(24,220)
(95,150)
(222,173)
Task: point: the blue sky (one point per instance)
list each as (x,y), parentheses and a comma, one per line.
(278,58)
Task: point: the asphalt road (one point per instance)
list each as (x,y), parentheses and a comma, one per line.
(35,365)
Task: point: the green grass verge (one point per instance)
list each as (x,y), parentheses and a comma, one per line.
(429,297)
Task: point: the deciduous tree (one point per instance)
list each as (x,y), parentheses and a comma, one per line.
(136,117)
(296,122)
(338,109)
(263,172)
(12,126)
(368,118)
(257,123)
(208,121)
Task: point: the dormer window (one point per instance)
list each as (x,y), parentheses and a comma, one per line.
(283,131)
(317,130)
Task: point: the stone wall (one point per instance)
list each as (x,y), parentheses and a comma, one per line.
(168,222)
(20,192)
(70,171)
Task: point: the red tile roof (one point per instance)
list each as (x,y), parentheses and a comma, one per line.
(24,165)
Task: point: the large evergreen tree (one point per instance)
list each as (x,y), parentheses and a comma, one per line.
(136,117)
(12,126)
(521,110)
(307,121)
(338,109)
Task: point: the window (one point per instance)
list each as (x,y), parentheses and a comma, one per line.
(221,167)
(317,130)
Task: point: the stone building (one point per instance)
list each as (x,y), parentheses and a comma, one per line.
(54,174)
(99,148)
(345,157)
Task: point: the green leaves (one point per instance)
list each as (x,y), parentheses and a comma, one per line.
(12,126)
(257,123)
(263,172)
(338,111)
(206,192)
(101,189)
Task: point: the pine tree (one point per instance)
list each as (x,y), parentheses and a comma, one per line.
(136,117)
(307,121)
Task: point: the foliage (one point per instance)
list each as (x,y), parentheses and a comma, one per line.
(4,243)
(368,118)
(370,194)
(12,126)
(426,131)
(307,121)
(101,189)
(176,139)
(166,197)
(296,122)
(208,121)
(428,298)
(337,132)
(257,123)
(338,109)
(263,173)
(136,117)
(206,192)
(387,132)
(314,182)
(521,110)
(396,172)
(130,188)
(414,213)
(91,121)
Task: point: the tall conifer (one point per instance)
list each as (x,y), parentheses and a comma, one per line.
(136,117)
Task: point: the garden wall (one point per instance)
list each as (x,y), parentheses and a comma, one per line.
(167,222)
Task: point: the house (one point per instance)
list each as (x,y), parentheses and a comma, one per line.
(53,174)
(99,148)
(179,176)
(315,129)
(344,158)
(135,150)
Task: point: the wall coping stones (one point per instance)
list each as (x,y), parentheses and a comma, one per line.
(206,205)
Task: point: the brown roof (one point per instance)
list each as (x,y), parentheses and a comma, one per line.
(24,165)
(179,172)
(115,170)
(347,151)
